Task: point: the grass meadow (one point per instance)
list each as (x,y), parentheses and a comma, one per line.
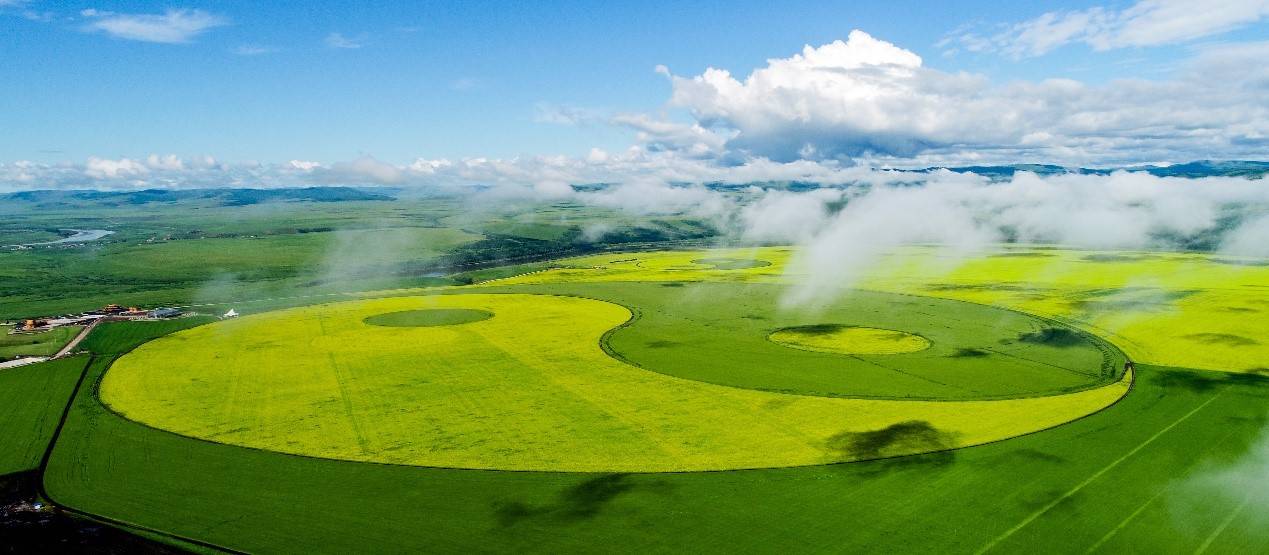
(365,436)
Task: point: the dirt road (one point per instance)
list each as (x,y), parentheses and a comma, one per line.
(75,342)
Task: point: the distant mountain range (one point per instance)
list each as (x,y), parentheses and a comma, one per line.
(1200,168)
(244,196)
(224,197)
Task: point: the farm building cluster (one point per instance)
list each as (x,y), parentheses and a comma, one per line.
(110,311)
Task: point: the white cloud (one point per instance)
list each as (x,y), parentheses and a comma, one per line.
(171,27)
(170,162)
(786,217)
(965,214)
(690,139)
(866,99)
(338,40)
(363,170)
(464,84)
(1249,239)
(100,168)
(1146,23)
(253,50)
(653,196)
(564,114)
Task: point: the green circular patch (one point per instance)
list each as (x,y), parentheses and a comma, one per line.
(728,334)
(849,340)
(428,317)
(732,263)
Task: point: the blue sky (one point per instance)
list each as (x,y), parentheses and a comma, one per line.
(401,81)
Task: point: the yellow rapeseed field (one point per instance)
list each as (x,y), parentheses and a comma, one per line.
(1190,310)
(528,389)
(851,340)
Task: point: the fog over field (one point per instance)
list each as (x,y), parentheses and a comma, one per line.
(845,228)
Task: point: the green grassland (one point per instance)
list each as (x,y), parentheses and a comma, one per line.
(1114,481)
(44,343)
(32,398)
(855,340)
(1175,465)
(977,352)
(177,248)
(20,236)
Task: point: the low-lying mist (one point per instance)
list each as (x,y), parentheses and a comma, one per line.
(843,229)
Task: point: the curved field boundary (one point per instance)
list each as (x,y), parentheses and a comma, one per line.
(133,527)
(1108,349)
(821,418)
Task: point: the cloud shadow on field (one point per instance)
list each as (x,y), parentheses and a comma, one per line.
(579,502)
(1201,382)
(1035,500)
(1226,339)
(1022,254)
(1034,455)
(816,329)
(912,436)
(984,287)
(1236,262)
(967,352)
(917,463)
(1052,337)
(1116,257)
(1130,298)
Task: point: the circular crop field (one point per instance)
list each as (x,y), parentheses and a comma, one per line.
(540,378)
(739,335)
(429,317)
(849,340)
(731,263)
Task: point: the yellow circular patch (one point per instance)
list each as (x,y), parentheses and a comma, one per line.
(849,340)
(529,389)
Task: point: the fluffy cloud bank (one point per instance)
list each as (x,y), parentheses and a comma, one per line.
(598,166)
(868,100)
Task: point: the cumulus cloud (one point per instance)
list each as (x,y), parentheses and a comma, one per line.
(867,100)
(689,139)
(1145,23)
(100,168)
(171,27)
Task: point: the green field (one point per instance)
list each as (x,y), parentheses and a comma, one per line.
(570,383)
(31,401)
(1189,310)
(532,389)
(856,340)
(222,246)
(1118,474)
(45,343)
